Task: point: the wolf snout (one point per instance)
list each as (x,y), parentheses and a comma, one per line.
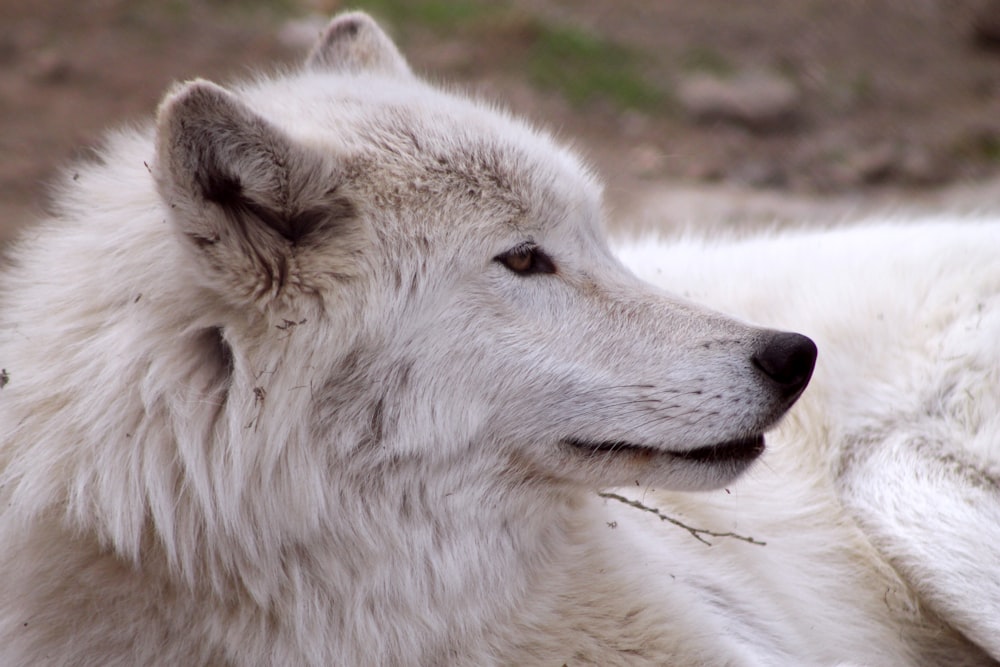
(787,359)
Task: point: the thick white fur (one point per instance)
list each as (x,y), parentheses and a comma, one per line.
(879,499)
(270,400)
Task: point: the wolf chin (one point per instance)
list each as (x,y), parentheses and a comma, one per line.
(326,368)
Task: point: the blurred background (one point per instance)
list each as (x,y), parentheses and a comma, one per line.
(707,114)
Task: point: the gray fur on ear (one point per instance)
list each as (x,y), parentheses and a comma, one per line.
(243,194)
(353,43)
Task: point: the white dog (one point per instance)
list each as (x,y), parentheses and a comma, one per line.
(326,369)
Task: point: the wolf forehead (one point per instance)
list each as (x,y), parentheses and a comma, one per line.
(402,144)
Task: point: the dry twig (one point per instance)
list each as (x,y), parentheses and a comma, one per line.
(696,533)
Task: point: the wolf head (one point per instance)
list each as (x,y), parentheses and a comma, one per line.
(434,274)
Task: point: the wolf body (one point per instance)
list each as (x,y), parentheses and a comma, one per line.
(326,369)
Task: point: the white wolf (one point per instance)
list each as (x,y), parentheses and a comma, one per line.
(326,368)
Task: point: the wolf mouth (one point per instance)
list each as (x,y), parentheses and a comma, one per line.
(729,451)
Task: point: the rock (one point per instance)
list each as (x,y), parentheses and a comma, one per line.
(890,163)
(876,164)
(758,101)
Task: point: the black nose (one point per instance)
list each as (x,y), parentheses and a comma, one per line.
(788,359)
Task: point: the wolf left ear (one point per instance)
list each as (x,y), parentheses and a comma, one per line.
(248,201)
(354,43)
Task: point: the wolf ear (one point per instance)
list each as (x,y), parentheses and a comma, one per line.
(246,198)
(354,43)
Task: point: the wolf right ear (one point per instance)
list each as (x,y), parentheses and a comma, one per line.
(250,202)
(354,43)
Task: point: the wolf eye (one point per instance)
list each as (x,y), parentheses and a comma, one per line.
(526,259)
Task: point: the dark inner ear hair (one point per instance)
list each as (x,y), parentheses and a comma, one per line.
(221,188)
(227,192)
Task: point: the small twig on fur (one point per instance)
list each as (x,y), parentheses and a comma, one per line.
(696,533)
(4,377)
(288,324)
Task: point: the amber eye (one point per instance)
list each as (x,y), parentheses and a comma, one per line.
(526,259)
(520,261)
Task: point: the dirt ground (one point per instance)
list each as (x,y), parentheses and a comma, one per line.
(881,104)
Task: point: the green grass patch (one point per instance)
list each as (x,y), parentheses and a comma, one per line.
(585,67)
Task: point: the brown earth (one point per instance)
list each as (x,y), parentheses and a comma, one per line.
(889,101)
